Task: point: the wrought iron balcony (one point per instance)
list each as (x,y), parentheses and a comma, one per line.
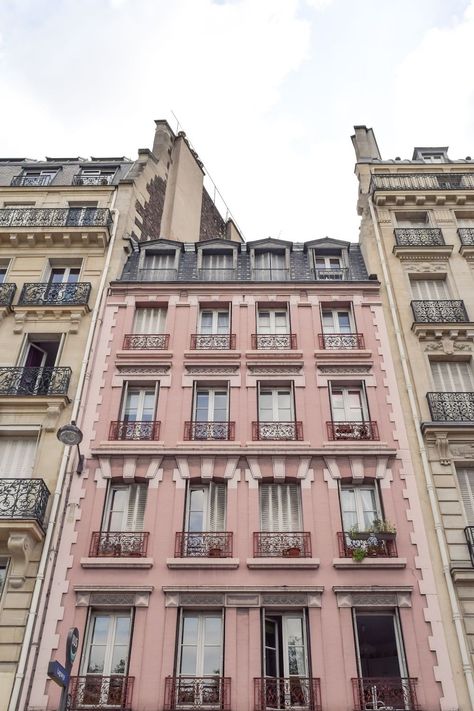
(419,237)
(212,341)
(282,544)
(118,544)
(274,341)
(341,341)
(203,544)
(217,274)
(352,431)
(7,292)
(422,181)
(466,235)
(94,692)
(383,549)
(55,217)
(439,311)
(45,294)
(135,431)
(394,693)
(146,341)
(157,274)
(197,692)
(270,274)
(194,430)
(294,692)
(23,500)
(32,181)
(451,407)
(277,431)
(81,179)
(469,534)
(331,274)
(26,381)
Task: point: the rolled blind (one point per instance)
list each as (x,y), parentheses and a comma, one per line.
(280,507)
(466,486)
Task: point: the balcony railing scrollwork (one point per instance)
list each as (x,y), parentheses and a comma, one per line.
(439,311)
(422,181)
(23,499)
(419,237)
(341,341)
(26,381)
(203,544)
(466,235)
(331,274)
(146,341)
(44,294)
(294,692)
(197,692)
(382,549)
(209,430)
(451,407)
(80,179)
(55,217)
(93,692)
(277,431)
(274,341)
(118,544)
(352,431)
(7,292)
(394,693)
(282,544)
(31,181)
(212,341)
(138,430)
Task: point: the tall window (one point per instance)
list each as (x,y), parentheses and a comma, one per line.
(206,507)
(360,507)
(214,321)
(272,321)
(326,267)
(64,275)
(280,507)
(211,405)
(348,403)
(429,289)
(107,648)
(275,405)
(412,219)
(270,265)
(200,651)
(159,267)
(337,321)
(125,507)
(139,404)
(217,266)
(149,320)
(466,486)
(452,376)
(3,574)
(285,655)
(4,264)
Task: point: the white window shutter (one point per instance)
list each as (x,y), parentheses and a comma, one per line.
(452,376)
(280,507)
(136,507)
(217,506)
(466,486)
(17,457)
(429,289)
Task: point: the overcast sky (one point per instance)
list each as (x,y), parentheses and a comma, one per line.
(267,91)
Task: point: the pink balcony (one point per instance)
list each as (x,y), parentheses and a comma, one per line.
(146,341)
(213,341)
(385,693)
(138,430)
(274,341)
(352,431)
(385,547)
(294,692)
(282,544)
(118,544)
(197,692)
(93,692)
(203,544)
(209,430)
(277,431)
(341,341)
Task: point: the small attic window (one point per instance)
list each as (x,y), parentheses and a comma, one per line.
(431,155)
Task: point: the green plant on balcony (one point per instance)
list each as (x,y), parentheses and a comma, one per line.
(383,530)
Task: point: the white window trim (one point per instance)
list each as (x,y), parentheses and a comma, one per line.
(128,612)
(262,388)
(334,311)
(215,319)
(360,386)
(211,401)
(130,385)
(201,614)
(359,509)
(272,324)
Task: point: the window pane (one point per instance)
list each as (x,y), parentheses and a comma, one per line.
(190,630)
(206,322)
(101,630)
(296,665)
(212,660)
(188,660)
(222,322)
(212,630)
(96,660)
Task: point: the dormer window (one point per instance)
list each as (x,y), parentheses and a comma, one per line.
(94,176)
(270,266)
(431,155)
(34,178)
(159,265)
(329,267)
(217,266)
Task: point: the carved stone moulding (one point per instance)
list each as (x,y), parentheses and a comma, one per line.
(281,369)
(450,443)
(212,369)
(373,596)
(344,369)
(143,369)
(449,345)
(244,597)
(117,596)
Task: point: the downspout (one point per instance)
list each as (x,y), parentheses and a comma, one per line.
(430,487)
(43,574)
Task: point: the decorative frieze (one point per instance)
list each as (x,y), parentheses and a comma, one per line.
(212,369)
(245,597)
(375,596)
(143,369)
(344,369)
(281,369)
(103,596)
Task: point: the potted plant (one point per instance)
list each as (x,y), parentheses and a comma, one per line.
(356,535)
(359,549)
(293,552)
(383,530)
(215,552)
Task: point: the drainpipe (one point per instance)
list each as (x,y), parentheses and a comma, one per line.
(430,487)
(43,574)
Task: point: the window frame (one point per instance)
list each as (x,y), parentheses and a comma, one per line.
(131,386)
(346,388)
(86,651)
(263,387)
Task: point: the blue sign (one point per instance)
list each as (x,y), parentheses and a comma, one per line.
(58,673)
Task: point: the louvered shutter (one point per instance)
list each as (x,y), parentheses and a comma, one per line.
(149,320)
(17,457)
(280,507)
(429,289)
(217,506)
(466,486)
(451,376)
(136,507)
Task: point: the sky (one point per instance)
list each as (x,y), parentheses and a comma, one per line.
(267,91)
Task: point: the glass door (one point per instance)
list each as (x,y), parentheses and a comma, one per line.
(200,660)
(286,682)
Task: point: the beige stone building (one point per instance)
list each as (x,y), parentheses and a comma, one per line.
(417,235)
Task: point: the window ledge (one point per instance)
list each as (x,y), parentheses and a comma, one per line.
(212,354)
(116,562)
(137,355)
(282,563)
(434,251)
(371,563)
(455,330)
(202,563)
(267,354)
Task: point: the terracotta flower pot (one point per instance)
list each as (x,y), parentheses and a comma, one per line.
(293,552)
(215,552)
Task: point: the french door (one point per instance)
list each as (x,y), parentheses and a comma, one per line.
(285,661)
(348,404)
(359,506)
(272,322)
(200,660)
(270,265)
(337,321)
(214,322)
(211,405)
(125,508)
(139,405)
(64,275)
(275,405)
(205,520)
(150,321)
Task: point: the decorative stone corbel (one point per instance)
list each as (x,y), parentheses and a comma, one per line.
(20,546)
(20,318)
(442,444)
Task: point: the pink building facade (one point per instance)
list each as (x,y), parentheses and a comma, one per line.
(246,534)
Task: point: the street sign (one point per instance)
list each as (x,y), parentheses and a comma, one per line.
(58,674)
(72,645)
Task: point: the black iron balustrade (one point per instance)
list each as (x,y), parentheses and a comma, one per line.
(294,692)
(270,274)
(422,181)
(55,217)
(94,692)
(45,294)
(352,431)
(146,341)
(217,274)
(341,341)
(26,381)
(394,693)
(32,181)
(213,341)
(469,534)
(119,544)
(383,548)
(274,341)
(197,692)
(146,274)
(282,544)
(195,430)
(203,544)
(7,292)
(439,311)
(331,273)
(451,407)
(81,179)
(277,431)
(419,237)
(23,499)
(136,430)
(466,235)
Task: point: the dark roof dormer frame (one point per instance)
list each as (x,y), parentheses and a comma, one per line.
(270,243)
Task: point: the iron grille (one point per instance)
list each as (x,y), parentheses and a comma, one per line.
(385,548)
(277,431)
(32,181)
(119,544)
(7,292)
(466,235)
(212,341)
(341,341)
(469,534)
(274,341)
(209,430)
(55,217)
(282,544)
(44,294)
(451,407)
(203,544)
(197,692)
(331,274)
(444,311)
(101,692)
(23,499)
(419,237)
(18,381)
(294,692)
(422,181)
(81,179)
(352,430)
(146,341)
(137,430)
(394,693)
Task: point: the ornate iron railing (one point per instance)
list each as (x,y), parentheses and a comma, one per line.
(394,693)
(23,499)
(25,381)
(422,181)
(197,692)
(7,292)
(286,693)
(32,181)
(382,549)
(101,692)
(81,179)
(419,237)
(277,431)
(451,407)
(270,274)
(352,430)
(44,294)
(209,430)
(331,274)
(119,544)
(466,235)
(55,217)
(274,341)
(282,544)
(138,430)
(146,341)
(203,544)
(341,341)
(217,274)
(157,274)
(212,341)
(439,311)
(469,534)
